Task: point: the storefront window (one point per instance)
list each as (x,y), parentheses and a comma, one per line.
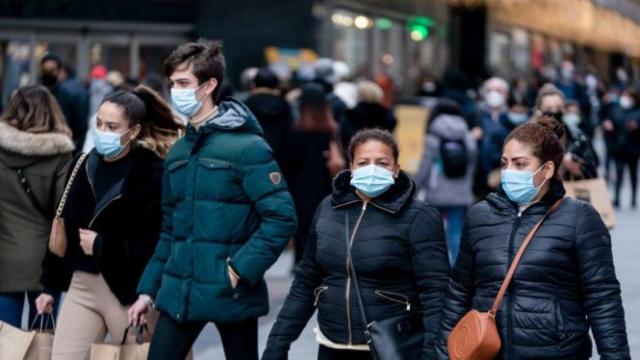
(113,57)
(15,66)
(499,53)
(520,49)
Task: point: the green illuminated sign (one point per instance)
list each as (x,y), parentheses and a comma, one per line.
(383,23)
(419,27)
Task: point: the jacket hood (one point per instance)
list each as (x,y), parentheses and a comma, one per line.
(392,201)
(22,148)
(452,127)
(500,201)
(233,115)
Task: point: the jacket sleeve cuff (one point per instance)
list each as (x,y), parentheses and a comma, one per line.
(97,246)
(250,274)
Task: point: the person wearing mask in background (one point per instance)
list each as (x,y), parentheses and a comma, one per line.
(517,115)
(594,90)
(622,80)
(227,216)
(35,150)
(398,249)
(308,167)
(369,113)
(576,91)
(71,95)
(271,110)
(623,125)
(445,176)
(565,283)
(610,103)
(429,85)
(492,120)
(580,161)
(519,90)
(572,116)
(112,221)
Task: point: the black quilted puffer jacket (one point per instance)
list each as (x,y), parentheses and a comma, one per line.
(564,285)
(400,256)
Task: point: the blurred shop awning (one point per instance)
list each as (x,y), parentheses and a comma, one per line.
(581,21)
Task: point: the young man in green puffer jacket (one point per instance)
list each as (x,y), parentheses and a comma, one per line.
(227,217)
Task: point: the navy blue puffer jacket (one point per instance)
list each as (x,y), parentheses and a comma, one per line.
(564,285)
(400,256)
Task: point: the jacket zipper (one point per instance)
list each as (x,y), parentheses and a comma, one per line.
(348,285)
(389,295)
(516,224)
(102,208)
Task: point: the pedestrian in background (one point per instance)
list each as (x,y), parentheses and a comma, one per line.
(35,150)
(398,251)
(624,124)
(70,93)
(492,117)
(271,110)
(580,161)
(369,113)
(112,220)
(565,283)
(308,167)
(447,169)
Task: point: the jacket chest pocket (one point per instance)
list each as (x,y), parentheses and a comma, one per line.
(216,180)
(178,177)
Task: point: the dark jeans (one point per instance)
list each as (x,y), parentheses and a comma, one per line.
(325,353)
(454,219)
(12,304)
(173,340)
(627,161)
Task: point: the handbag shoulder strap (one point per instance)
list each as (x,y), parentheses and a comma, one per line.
(63,199)
(26,186)
(356,286)
(518,257)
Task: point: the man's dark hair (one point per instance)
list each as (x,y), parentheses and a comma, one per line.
(206,59)
(265,78)
(51,57)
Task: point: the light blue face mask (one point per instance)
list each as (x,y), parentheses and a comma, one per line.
(518,185)
(372,180)
(517,118)
(185,101)
(108,143)
(572,119)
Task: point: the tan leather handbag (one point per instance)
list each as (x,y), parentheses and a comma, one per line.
(475,336)
(58,235)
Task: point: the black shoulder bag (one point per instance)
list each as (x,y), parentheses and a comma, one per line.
(26,186)
(397,337)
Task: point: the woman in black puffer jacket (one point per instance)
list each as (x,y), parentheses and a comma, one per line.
(398,249)
(565,282)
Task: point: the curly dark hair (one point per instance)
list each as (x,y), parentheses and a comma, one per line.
(367,135)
